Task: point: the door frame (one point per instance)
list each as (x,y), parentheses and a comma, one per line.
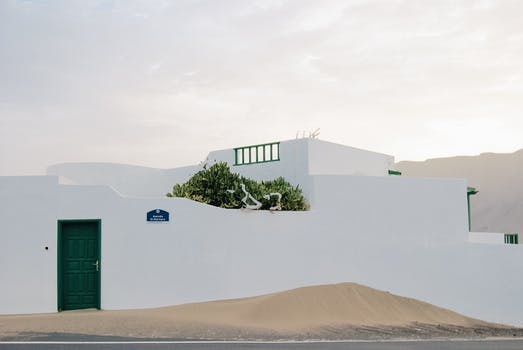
(60,236)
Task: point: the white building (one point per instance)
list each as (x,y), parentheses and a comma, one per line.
(80,237)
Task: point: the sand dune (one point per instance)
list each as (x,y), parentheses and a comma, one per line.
(302,308)
(300,313)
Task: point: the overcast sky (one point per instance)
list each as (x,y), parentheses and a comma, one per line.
(162,83)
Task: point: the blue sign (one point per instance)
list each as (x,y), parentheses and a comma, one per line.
(157,215)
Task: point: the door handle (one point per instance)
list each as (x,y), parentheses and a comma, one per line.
(96,264)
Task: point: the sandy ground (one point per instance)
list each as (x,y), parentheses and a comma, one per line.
(341,311)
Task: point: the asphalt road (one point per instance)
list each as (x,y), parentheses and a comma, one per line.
(394,345)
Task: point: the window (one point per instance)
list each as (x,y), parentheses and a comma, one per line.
(269,152)
(511,238)
(394,172)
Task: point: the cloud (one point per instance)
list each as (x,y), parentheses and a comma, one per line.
(371,74)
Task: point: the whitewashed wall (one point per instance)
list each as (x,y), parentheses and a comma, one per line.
(301,158)
(298,159)
(128,180)
(487,237)
(28,214)
(420,211)
(404,235)
(327,158)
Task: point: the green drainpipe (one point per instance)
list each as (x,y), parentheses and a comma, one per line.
(470,192)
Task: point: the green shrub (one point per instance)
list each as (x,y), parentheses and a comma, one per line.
(218,186)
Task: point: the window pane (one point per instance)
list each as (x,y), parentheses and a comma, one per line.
(275,151)
(267,149)
(253,154)
(246,156)
(239,156)
(260,154)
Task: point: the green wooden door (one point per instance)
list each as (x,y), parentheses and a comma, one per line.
(78,264)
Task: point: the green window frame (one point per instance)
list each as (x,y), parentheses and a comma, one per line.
(511,238)
(263,153)
(471,191)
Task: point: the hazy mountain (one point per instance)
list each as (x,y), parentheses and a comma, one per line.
(498,207)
